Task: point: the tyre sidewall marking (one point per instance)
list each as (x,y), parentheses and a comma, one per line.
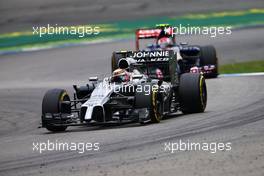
(63,95)
(154,104)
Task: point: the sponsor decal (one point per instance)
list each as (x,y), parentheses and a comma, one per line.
(144,54)
(160,59)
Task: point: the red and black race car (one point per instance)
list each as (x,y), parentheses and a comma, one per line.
(192,58)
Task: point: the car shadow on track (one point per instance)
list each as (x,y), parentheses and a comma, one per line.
(116,126)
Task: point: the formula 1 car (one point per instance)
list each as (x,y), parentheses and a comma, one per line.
(143,98)
(202,59)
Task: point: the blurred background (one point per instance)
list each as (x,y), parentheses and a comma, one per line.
(18,15)
(117,18)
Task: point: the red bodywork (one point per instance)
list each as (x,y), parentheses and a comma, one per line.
(152,33)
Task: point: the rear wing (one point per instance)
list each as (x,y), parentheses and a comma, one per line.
(165,60)
(149,56)
(148,33)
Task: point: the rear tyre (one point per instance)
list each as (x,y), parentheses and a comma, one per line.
(208,57)
(115,59)
(192,92)
(52,104)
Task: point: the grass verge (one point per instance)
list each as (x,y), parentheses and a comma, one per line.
(243,67)
(24,40)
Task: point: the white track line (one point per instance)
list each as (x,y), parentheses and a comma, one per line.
(241,74)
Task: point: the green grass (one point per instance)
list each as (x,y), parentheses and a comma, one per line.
(243,67)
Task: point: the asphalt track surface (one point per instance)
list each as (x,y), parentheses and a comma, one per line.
(234,113)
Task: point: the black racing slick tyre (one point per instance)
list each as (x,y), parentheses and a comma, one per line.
(193,93)
(156,111)
(52,104)
(209,57)
(115,59)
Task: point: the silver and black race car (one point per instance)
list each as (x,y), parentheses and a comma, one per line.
(143,98)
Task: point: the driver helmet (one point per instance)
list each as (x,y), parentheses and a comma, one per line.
(120,75)
(159,73)
(165,42)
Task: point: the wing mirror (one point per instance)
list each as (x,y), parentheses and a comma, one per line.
(137,76)
(183,43)
(190,51)
(93,79)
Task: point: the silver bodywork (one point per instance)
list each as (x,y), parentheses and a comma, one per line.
(99,97)
(105,88)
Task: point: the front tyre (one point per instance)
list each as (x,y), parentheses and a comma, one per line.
(52,104)
(193,93)
(151,99)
